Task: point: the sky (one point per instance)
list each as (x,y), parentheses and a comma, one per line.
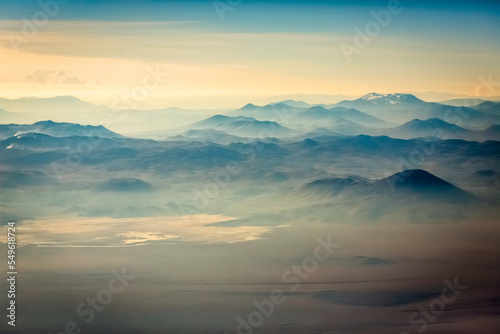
(206,54)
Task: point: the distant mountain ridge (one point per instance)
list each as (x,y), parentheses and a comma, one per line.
(322,114)
(56,130)
(66,104)
(243,126)
(397,115)
(295,104)
(44,142)
(488,107)
(405,107)
(210,135)
(309,117)
(436,127)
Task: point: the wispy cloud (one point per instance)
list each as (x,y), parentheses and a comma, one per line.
(54,77)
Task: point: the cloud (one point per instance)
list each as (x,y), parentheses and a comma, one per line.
(73,81)
(54,77)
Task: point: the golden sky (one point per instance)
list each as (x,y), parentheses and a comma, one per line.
(202,66)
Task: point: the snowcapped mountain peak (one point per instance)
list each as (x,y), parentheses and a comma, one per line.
(398,98)
(372,97)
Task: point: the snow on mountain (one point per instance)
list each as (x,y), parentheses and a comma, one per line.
(398,98)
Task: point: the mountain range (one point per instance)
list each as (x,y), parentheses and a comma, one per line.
(243,126)
(56,130)
(405,107)
(372,114)
(58,104)
(334,176)
(353,160)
